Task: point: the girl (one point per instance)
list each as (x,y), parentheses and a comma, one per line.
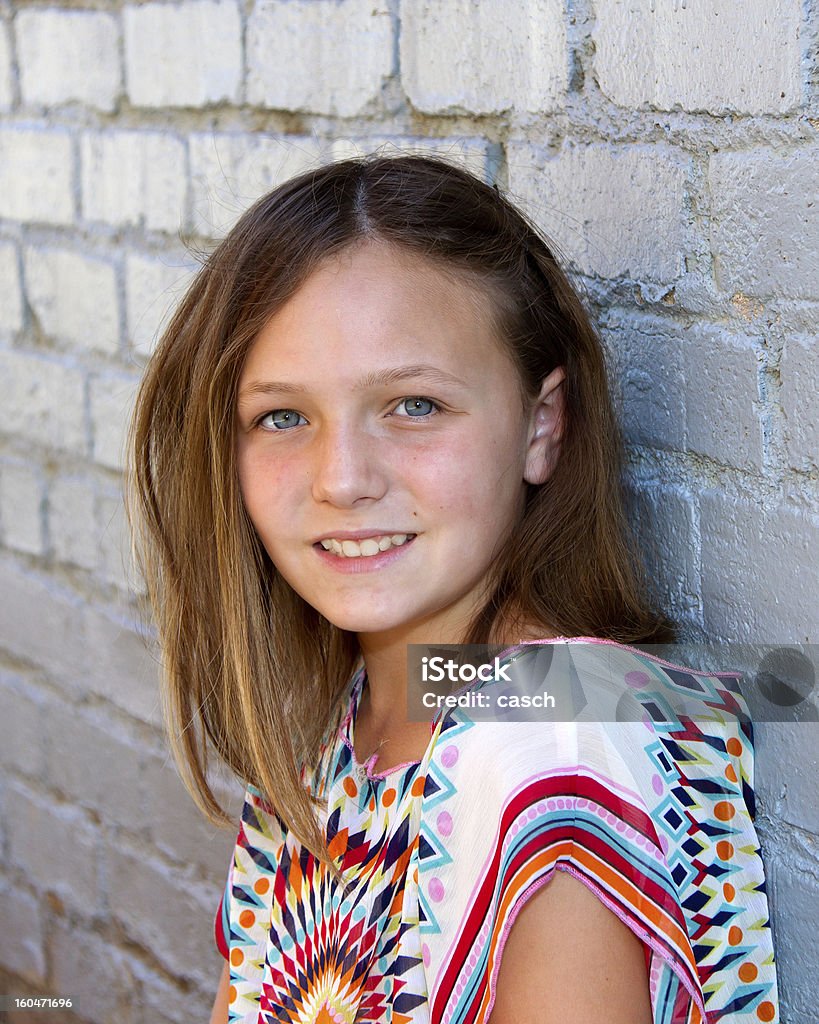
(380,417)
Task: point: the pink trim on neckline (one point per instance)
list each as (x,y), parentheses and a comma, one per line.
(348,723)
(625,647)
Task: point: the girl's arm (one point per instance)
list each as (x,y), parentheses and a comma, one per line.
(219,1013)
(569,960)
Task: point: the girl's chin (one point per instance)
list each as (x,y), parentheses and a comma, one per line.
(371,620)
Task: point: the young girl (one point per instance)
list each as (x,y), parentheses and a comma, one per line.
(380,417)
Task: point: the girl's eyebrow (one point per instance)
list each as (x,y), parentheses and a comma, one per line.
(375,378)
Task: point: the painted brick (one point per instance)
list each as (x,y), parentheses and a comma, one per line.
(229,172)
(324,56)
(178,827)
(88,649)
(795,897)
(646,369)
(469,153)
(92,764)
(160,909)
(68,55)
(40,825)
(602,206)
(72,527)
(799,373)
(29,409)
(41,623)
(111,399)
(134,178)
(22,739)
(166,1003)
(74,297)
(722,397)
(6,70)
(11,303)
(154,286)
(787,766)
(120,665)
(96,972)
(115,547)
(183,55)
(763,222)
(486,57)
(36,176)
(22,498)
(666,526)
(759,571)
(714,55)
(22,934)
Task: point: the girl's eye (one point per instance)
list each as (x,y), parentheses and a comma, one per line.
(418,406)
(281,419)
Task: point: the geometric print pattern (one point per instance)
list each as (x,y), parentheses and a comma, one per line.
(654,816)
(304,946)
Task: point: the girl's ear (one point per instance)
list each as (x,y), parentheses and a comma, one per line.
(546,423)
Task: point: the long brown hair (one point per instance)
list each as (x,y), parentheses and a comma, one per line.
(251,670)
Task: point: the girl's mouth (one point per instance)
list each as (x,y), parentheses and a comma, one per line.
(368,547)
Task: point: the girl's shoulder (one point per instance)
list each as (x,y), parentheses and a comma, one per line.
(638,781)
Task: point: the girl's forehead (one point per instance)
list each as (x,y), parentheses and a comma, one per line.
(373,306)
(375,289)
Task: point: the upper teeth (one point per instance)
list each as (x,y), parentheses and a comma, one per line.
(365,548)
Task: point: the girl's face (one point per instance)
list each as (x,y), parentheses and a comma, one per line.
(377,412)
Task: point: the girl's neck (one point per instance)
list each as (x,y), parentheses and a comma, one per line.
(385,658)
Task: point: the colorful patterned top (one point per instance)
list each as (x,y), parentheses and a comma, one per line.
(439,856)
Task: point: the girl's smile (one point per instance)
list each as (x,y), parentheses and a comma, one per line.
(383,444)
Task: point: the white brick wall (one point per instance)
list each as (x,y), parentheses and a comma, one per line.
(229,172)
(183,55)
(714,55)
(647,358)
(604,206)
(68,55)
(74,298)
(800,384)
(722,398)
(22,496)
(111,397)
(141,882)
(469,153)
(6,76)
(134,178)
(115,551)
(21,938)
(37,827)
(82,957)
(36,175)
(11,305)
(22,742)
(484,58)
(153,287)
(72,521)
(670,149)
(763,221)
(326,56)
(667,521)
(29,410)
(759,570)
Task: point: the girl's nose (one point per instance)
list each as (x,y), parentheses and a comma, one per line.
(346,467)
